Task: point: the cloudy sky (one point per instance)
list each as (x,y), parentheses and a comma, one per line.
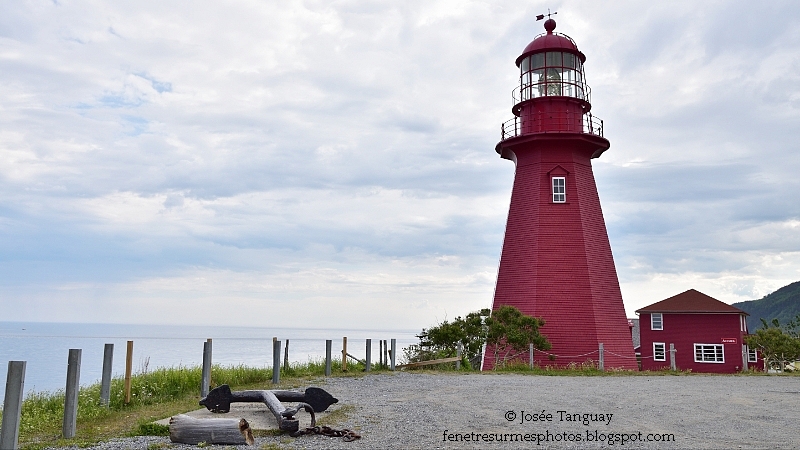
(312,163)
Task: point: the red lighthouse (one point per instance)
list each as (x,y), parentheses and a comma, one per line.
(556,261)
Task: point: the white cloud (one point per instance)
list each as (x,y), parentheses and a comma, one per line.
(338,156)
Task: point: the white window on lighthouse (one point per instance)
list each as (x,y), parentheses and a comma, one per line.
(559,190)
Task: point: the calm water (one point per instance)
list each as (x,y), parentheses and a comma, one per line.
(45,347)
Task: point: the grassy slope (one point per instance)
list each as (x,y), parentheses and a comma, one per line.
(783,304)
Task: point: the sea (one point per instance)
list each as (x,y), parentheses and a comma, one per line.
(45,347)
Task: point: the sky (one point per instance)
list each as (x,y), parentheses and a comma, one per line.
(332,164)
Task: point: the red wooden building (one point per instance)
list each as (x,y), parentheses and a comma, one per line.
(707,334)
(556,261)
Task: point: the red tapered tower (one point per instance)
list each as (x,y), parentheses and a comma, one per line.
(556,261)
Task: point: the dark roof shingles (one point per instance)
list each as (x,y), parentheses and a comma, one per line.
(691,301)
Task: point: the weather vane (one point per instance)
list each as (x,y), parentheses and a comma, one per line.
(541,16)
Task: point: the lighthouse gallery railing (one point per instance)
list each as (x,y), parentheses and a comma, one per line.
(549,88)
(564,122)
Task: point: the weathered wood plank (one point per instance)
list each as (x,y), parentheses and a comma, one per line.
(429,363)
(359,360)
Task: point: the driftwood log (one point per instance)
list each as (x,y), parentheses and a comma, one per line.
(188,430)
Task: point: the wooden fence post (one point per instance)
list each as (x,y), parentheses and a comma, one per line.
(128,370)
(276,361)
(602,362)
(205,379)
(392,354)
(12,405)
(744,358)
(368,359)
(71,393)
(385,353)
(530,356)
(105,382)
(344,354)
(458,353)
(286,356)
(672,364)
(328,348)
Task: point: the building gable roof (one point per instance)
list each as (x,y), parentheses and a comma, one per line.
(692,302)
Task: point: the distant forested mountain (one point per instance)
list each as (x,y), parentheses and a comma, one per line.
(783,304)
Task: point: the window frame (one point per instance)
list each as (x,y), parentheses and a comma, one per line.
(562,195)
(660,322)
(663,351)
(536,80)
(752,355)
(720,347)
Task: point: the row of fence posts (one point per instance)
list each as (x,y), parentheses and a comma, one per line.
(386,357)
(601,363)
(15,388)
(15,381)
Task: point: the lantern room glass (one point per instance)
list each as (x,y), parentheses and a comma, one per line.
(552,74)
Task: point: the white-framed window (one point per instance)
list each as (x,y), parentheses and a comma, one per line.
(743,324)
(752,356)
(559,190)
(656,321)
(709,353)
(659,351)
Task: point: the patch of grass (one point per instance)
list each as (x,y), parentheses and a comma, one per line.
(336,416)
(590,369)
(152,429)
(267,433)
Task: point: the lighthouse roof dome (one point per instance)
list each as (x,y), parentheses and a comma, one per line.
(550,41)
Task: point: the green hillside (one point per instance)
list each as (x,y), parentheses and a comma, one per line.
(783,304)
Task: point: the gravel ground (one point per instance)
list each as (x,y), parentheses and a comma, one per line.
(413,410)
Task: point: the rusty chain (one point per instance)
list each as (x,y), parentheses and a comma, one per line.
(345,434)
